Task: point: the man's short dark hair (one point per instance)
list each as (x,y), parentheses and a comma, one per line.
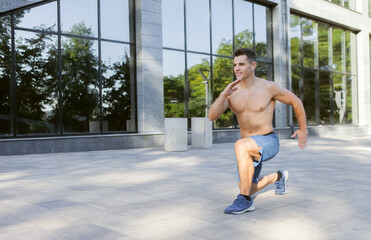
(249,53)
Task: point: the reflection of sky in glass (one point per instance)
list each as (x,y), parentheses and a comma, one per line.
(173,23)
(20,37)
(243,16)
(173,63)
(260,15)
(45,14)
(198,27)
(195,59)
(78,11)
(221,22)
(113,53)
(113,14)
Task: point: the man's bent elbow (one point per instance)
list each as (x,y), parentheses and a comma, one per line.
(210,117)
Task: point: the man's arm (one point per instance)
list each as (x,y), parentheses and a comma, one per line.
(285,96)
(221,103)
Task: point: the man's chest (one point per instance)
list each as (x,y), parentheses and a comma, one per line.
(250,101)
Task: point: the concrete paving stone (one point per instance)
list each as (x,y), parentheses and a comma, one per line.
(25,230)
(53,205)
(169,227)
(219,231)
(87,231)
(153,194)
(355,229)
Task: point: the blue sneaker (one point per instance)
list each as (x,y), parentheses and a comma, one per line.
(240,205)
(281,185)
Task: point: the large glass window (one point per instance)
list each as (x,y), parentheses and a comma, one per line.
(323,66)
(222,25)
(198,27)
(79,12)
(213,30)
(80,83)
(345,3)
(5,75)
(324,50)
(309,36)
(174,83)
(36,88)
(73,76)
(295,40)
(173,23)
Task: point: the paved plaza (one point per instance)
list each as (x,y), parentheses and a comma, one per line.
(153,194)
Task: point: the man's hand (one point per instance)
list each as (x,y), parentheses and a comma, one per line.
(231,88)
(302,137)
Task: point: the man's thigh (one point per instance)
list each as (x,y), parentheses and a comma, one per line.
(248,147)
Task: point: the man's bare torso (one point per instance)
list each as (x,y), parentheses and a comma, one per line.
(254,108)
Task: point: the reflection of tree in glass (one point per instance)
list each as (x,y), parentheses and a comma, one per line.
(174,96)
(80,81)
(196,89)
(5,73)
(295,36)
(34,82)
(222,76)
(37,82)
(116,100)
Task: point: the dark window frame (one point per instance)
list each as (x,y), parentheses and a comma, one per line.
(212,55)
(59,34)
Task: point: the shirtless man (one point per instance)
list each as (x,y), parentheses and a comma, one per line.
(252,100)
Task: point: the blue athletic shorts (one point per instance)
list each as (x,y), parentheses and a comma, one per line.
(269,148)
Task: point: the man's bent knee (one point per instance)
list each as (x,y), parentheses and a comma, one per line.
(247,146)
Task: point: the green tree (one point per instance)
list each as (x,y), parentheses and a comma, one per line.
(80,81)
(174,95)
(5,74)
(116,99)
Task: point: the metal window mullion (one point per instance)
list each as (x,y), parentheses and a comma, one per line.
(331,77)
(253,26)
(316,64)
(60,67)
(100,69)
(185,62)
(301,83)
(35,30)
(132,64)
(13,93)
(343,52)
(233,30)
(210,84)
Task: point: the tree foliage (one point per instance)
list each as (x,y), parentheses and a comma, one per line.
(37,82)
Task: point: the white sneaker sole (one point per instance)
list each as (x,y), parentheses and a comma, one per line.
(250,209)
(286,173)
(286,176)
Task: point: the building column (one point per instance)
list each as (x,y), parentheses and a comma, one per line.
(150,93)
(281,59)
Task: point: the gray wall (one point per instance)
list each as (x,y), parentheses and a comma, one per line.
(7,5)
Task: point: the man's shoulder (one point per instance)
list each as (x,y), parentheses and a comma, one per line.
(267,84)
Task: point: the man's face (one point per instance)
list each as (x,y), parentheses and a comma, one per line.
(242,67)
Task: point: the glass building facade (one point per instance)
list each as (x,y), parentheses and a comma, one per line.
(345,3)
(199,38)
(105,73)
(64,71)
(323,67)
